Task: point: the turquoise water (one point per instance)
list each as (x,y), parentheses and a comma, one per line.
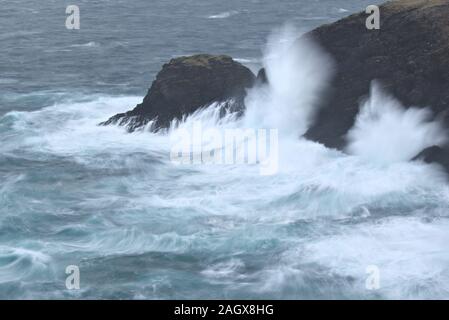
(139,227)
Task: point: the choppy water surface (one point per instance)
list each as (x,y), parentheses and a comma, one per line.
(138,226)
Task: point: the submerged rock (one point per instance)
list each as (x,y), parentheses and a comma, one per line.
(186,84)
(409,55)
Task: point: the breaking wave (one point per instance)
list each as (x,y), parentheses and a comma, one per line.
(139,226)
(385,131)
(223,15)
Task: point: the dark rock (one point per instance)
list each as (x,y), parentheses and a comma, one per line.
(186,84)
(262,77)
(435,154)
(409,55)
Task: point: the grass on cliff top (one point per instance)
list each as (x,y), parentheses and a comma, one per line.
(202,60)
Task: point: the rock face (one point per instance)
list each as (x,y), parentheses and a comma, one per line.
(262,76)
(409,55)
(186,84)
(435,154)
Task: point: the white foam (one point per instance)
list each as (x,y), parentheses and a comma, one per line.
(223,15)
(411,255)
(72,128)
(229,210)
(89,44)
(298,72)
(386,132)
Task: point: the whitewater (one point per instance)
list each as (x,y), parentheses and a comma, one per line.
(141,227)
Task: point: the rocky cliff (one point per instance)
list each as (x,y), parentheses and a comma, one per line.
(409,55)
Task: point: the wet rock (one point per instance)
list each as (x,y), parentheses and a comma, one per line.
(186,84)
(435,154)
(409,55)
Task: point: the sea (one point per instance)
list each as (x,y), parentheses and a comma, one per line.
(96,212)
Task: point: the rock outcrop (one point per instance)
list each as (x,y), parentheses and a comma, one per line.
(186,84)
(409,55)
(435,154)
(262,77)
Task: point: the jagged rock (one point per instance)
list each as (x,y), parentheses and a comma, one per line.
(435,154)
(409,55)
(262,76)
(186,84)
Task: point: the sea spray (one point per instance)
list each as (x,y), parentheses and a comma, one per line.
(298,73)
(140,227)
(110,202)
(386,132)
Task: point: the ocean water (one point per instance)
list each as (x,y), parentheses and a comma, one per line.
(140,227)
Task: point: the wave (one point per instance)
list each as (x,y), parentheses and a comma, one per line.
(18,34)
(408,252)
(114,203)
(384,131)
(284,104)
(90,44)
(8,80)
(18,264)
(223,15)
